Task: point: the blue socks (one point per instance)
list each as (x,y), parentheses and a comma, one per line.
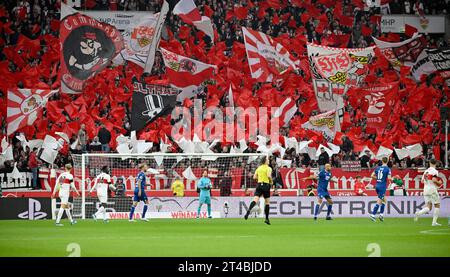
(144,211)
(382,208)
(316,210)
(375,209)
(209,210)
(329,209)
(132,212)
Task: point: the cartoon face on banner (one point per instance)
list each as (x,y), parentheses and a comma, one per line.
(87,48)
(30,104)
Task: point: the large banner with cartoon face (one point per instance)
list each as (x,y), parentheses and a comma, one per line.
(335,70)
(87,47)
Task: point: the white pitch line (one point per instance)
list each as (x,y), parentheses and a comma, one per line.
(436,232)
(123,238)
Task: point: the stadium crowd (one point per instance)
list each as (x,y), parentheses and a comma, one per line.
(29,55)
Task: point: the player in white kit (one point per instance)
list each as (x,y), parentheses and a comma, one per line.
(63,184)
(430,193)
(101,185)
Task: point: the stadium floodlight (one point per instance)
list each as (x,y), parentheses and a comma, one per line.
(164,168)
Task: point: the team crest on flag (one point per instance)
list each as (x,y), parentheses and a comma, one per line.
(334,70)
(88,46)
(326,123)
(267,58)
(24,105)
(187,75)
(137,40)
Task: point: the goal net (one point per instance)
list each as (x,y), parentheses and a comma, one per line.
(226,171)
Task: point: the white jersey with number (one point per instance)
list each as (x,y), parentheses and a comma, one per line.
(102,183)
(427,178)
(64,181)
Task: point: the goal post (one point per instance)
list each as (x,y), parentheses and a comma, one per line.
(226,171)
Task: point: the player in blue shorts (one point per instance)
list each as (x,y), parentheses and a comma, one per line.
(204,185)
(382,174)
(323,178)
(139,193)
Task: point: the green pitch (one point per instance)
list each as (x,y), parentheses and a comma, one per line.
(227,237)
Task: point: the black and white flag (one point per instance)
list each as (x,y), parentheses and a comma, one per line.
(150,102)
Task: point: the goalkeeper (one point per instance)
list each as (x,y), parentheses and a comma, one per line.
(204,185)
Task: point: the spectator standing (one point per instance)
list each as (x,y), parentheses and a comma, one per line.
(82,137)
(347,144)
(95,145)
(365,159)
(104,136)
(323,159)
(225,184)
(120,187)
(407,7)
(33,164)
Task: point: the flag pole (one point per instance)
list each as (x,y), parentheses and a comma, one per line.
(446,143)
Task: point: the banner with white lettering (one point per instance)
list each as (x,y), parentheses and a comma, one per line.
(441,60)
(355,206)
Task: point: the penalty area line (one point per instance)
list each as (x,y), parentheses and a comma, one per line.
(442,232)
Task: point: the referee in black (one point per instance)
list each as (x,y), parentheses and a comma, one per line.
(263,175)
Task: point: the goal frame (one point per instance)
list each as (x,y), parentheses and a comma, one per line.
(84,157)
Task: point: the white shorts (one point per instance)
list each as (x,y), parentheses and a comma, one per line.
(102,199)
(64,199)
(432,198)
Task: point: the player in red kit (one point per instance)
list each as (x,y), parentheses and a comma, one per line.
(360,188)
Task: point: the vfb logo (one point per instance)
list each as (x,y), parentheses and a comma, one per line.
(34,211)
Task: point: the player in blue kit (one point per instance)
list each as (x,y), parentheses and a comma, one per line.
(382,174)
(204,185)
(139,193)
(323,178)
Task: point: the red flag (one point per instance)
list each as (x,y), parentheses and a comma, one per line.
(410,30)
(380,100)
(366,31)
(241,13)
(53,111)
(188,11)
(437,152)
(275,19)
(346,20)
(71,110)
(276,4)
(184,32)
(261,13)
(54,25)
(208,11)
